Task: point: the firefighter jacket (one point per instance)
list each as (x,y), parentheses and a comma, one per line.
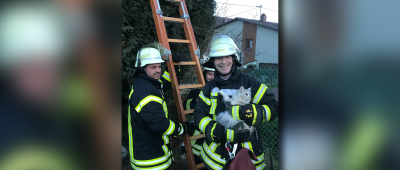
(148,123)
(191,99)
(210,104)
(190,103)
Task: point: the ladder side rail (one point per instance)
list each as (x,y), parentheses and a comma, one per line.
(187,26)
(162,38)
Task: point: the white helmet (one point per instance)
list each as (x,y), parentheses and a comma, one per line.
(148,55)
(223,45)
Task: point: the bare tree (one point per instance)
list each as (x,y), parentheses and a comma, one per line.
(222,9)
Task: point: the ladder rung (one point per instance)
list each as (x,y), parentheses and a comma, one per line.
(197,137)
(187,63)
(170,19)
(179,41)
(174,0)
(194,86)
(188,111)
(199,165)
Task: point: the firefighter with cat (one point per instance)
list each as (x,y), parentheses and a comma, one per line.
(224,57)
(148,125)
(190,103)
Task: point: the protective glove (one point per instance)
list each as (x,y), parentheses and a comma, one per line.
(178,58)
(237,136)
(185,128)
(251,114)
(217,133)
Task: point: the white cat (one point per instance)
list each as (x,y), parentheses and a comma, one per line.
(241,97)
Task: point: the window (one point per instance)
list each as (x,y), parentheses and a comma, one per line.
(249,44)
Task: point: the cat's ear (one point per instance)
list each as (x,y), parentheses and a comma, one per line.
(241,89)
(249,89)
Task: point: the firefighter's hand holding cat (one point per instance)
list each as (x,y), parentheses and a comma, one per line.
(253,115)
(217,133)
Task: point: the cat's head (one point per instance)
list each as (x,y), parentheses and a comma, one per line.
(245,92)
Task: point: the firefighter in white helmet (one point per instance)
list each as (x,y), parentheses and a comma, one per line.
(224,58)
(148,123)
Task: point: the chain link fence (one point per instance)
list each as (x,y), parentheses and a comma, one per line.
(268,75)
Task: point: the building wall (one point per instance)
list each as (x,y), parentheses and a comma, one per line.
(233,30)
(267,45)
(249,32)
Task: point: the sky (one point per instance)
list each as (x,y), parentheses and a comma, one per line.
(269,7)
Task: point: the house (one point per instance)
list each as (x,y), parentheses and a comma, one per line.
(258,39)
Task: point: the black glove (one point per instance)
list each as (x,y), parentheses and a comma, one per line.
(178,58)
(251,114)
(186,128)
(237,136)
(217,133)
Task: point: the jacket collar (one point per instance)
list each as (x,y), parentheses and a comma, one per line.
(149,79)
(233,76)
